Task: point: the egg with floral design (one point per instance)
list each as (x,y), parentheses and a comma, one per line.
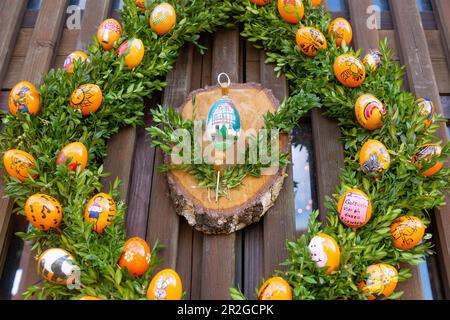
(18,163)
(373,60)
(427,153)
(325,252)
(69,62)
(88,98)
(24,98)
(381,281)
(166,285)
(261,2)
(369,112)
(407,232)
(349,70)
(342,30)
(275,288)
(354,208)
(109,33)
(134,52)
(163,19)
(374,158)
(77,154)
(136,256)
(100,211)
(310,41)
(43,212)
(57,266)
(291,11)
(427,109)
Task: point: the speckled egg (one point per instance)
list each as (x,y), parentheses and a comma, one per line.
(43,212)
(310,41)
(291,11)
(17,163)
(369,112)
(136,256)
(108,33)
(88,98)
(166,285)
(342,30)
(56,266)
(24,97)
(69,62)
(134,52)
(354,208)
(381,281)
(325,252)
(275,288)
(163,19)
(427,109)
(100,211)
(427,153)
(77,153)
(407,232)
(349,71)
(374,157)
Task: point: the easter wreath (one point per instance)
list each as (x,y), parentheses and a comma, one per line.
(402,189)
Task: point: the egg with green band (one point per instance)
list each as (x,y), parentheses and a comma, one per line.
(133,50)
(291,11)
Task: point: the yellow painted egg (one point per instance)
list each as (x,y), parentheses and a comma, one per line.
(133,51)
(100,210)
(369,112)
(108,33)
(291,11)
(24,97)
(261,2)
(56,266)
(354,209)
(426,109)
(381,280)
(136,256)
(43,212)
(349,71)
(374,157)
(163,18)
(427,153)
(310,40)
(325,252)
(275,288)
(17,163)
(316,3)
(407,232)
(69,62)
(166,285)
(89,298)
(373,60)
(87,98)
(77,153)
(342,29)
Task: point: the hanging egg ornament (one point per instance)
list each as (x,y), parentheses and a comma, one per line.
(166,285)
(291,11)
(325,252)
(108,33)
(342,29)
(275,288)
(17,163)
(427,153)
(89,298)
(77,153)
(381,280)
(374,157)
(369,112)
(316,3)
(261,2)
(100,210)
(88,98)
(57,266)
(43,212)
(310,41)
(407,232)
(354,208)
(373,60)
(136,256)
(163,18)
(133,51)
(69,62)
(24,97)
(427,109)
(349,71)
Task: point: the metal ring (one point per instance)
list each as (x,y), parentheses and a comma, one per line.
(223,85)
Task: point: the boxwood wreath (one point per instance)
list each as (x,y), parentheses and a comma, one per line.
(400,190)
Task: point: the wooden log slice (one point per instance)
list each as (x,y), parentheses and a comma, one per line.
(247,203)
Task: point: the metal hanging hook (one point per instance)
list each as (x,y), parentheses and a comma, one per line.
(225,85)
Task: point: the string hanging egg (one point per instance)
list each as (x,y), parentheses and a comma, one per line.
(109,33)
(310,41)
(24,98)
(354,208)
(291,11)
(43,212)
(407,232)
(18,163)
(275,288)
(163,19)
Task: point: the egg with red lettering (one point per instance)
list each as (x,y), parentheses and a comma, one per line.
(275,288)
(354,208)
(325,252)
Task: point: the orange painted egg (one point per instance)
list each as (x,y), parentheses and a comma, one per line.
(24,97)
(133,51)
(426,109)
(166,285)
(69,63)
(381,281)
(261,2)
(108,33)
(141,4)
(325,252)
(163,19)
(275,288)
(349,71)
(100,210)
(427,153)
(77,153)
(316,3)
(369,111)
(136,256)
(342,29)
(374,157)
(87,98)
(407,232)
(17,163)
(373,60)
(291,11)
(354,209)
(310,40)
(57,266)
(43,211)
(89,298)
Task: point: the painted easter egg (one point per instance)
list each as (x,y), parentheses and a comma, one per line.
(310,40)
(56,266)
(373,60)
(108,33)
(275,288)
(427,153)
(316,3)
(24,97)
(369,112)
(163,18)
(77,153)
(426,109)
(374,157)
(325,252)
(141,4)
(342,30)
(349,71)
(87,98)
(381,280)
(166,285)
(407,232)
(69,62)
(291,11)
(100,210)
(354,208)
(17,163)
(43,211)
(261,2)
(89,298)
(136,256)
(133,51)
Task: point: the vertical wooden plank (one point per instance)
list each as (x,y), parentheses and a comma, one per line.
(441,9)
(363,37)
